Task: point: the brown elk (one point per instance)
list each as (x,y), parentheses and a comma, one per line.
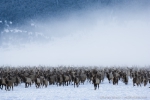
(96,82)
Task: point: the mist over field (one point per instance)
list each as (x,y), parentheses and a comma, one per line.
(75,32)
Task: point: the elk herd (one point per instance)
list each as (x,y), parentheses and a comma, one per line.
(42,76)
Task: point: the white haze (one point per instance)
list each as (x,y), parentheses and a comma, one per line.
(97,37)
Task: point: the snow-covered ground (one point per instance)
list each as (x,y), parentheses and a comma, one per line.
(83,92)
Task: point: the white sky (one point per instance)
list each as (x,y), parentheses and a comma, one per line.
(88,38)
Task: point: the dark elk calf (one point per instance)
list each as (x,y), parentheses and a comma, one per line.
(37,82)
(125,79)
(59,80)
(83,78)
(115,78)
(96,82)
(45,82)
(76,81)
(2,83)
(9,84)
(65,80)
(110,76)
(28,82)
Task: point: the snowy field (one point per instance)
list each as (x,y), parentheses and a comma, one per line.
(83,92)
(75,32)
